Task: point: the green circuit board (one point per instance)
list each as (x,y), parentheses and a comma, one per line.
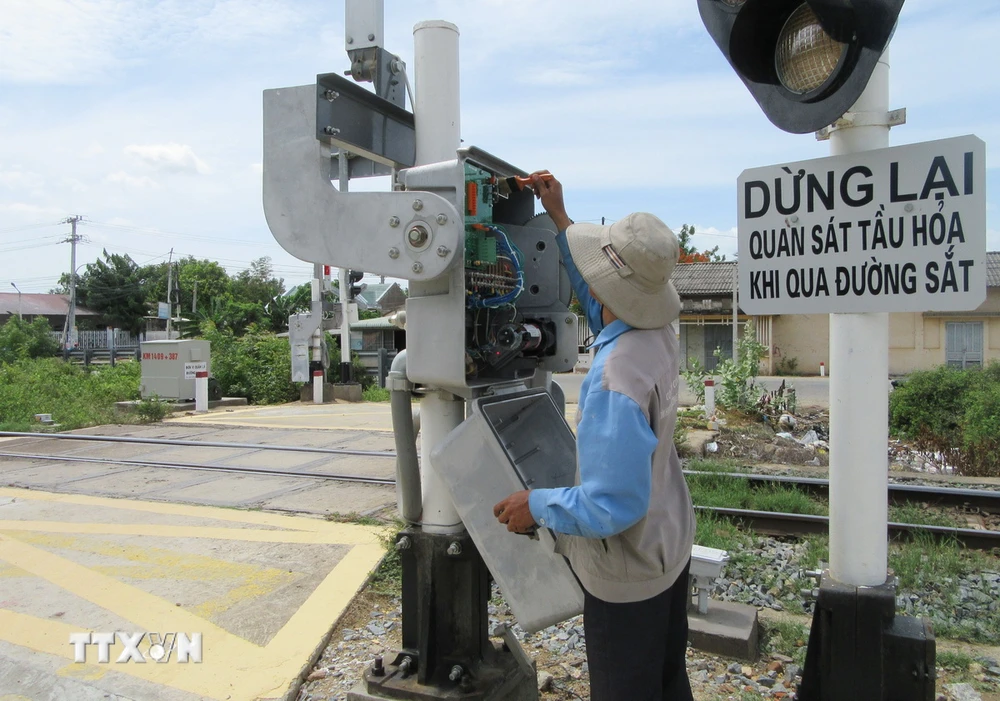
(480,247)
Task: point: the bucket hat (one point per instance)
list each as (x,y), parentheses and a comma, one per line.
(628,266)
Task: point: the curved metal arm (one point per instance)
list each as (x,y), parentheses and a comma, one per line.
(368,231)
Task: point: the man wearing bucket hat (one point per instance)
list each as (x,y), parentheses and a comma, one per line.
(628,525)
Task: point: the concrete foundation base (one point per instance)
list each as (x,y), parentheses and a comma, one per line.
(189,405)
(728,629)
(306,394)
(348,392)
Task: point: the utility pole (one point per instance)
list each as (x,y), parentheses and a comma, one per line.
(19,317)
(194,299)
(170,283)
(736,317)
(71,317)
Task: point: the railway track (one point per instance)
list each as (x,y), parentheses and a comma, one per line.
(774,523)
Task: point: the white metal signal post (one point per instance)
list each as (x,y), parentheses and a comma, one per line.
(487,322)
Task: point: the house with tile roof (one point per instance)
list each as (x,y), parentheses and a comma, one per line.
(917,340)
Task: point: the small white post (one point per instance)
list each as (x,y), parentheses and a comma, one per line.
(317,386)
(201,392)
(709,398)
(822,369)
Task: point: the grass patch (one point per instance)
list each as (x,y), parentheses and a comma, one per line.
(922,515)
(932,576)
(374,393)
(818,552)
(949,659)
(784,637)
(76,397)
(727,492)
(926,561)
(712,531)
(388,577)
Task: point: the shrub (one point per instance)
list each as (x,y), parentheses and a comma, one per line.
(256,366)
(928,405)
(787,366)
(151,410)
(952,412)
(737,388)
(22,340)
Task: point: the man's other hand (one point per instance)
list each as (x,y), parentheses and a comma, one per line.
(515,513)
(550,192)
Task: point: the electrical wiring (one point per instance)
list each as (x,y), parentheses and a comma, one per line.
(515,258)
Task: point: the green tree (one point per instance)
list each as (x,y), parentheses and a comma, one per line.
(281,307)
(213,281)
(20,340)
(257,283)
(689,254)
(115,288)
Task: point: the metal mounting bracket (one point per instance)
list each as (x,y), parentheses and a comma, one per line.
(893,118)
(367,231)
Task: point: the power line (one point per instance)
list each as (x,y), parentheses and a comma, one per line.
(177,234)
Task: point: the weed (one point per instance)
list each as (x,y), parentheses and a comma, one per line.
(920,514)
(817,553)
(728,492)
(151,410)
(787,366)
(374,393)
(785,638)
(76,397)
(715,532)
(948,659)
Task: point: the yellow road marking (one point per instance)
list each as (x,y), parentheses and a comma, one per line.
(233,667)
(352,535)
(257,518)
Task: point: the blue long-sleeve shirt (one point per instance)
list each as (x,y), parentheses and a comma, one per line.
(615,444)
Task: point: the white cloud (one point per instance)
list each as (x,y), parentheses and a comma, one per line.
(170,158)
(17,178)
(92,150)
(123,178)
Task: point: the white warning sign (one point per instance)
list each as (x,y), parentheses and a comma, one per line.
(892,230)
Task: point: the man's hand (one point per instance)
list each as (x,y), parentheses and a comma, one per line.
(550,192)
(514,512)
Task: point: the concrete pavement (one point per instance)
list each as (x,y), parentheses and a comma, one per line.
(262,590)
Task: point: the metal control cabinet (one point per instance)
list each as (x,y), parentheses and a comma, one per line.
(168,367)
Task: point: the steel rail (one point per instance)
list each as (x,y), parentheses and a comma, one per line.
(985,499)
(769,522)
(199,444)
(207,467)
(776,523)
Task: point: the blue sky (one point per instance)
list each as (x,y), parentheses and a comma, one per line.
(145,117)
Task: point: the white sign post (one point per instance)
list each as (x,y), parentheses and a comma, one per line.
(867,231)
(890,230)
(191,370)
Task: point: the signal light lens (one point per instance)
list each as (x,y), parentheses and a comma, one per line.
(806,56)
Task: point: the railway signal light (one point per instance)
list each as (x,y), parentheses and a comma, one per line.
(354,289)
(805,62)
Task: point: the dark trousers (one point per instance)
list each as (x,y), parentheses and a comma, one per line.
(636,651)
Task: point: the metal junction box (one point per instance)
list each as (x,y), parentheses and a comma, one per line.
(512,442)
(169,367)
